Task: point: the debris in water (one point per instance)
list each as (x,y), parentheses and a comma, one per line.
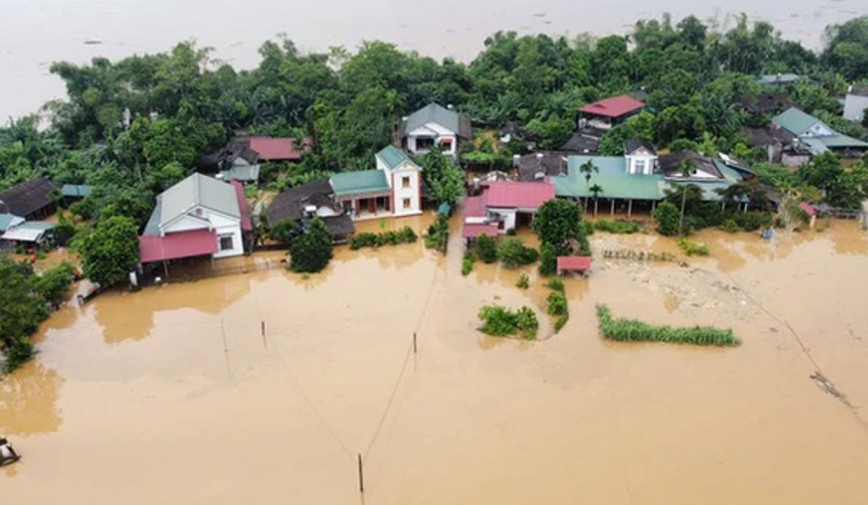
(539,14)
(830,388)
(7,453)
(91,42)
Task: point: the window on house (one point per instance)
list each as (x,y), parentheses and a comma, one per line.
(424,143)
(405,181)
(406,203)
(446,144)
(639,166)
(226,243)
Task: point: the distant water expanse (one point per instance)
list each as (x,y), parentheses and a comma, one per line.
(34,33)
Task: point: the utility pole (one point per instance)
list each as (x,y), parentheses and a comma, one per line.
(361,477)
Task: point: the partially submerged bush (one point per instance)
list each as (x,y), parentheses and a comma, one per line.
(556,284)
(557,303)
(668,218)
(485,248)
(636,331)
(500,321)
(621,227)
(405,235)
(467,263)
(693,249)
(513,253)
(730,226)
(438,234)
(523,282)
(561,321)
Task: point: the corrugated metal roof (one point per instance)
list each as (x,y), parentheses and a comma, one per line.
(75,190)
(248,173)
(275,149)
(20,234)
(243,207)
(795,121)
(360,182)
(475,230)
(185,244)
(612,177)
(27,198)
(392,156)
(519,195)
(574,262)
(779,78)
(194,191)
(615,106)
(474,206)
(9,220)
(435,113)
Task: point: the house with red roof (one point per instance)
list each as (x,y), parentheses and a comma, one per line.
(199,216)
(503,206)
(609,112)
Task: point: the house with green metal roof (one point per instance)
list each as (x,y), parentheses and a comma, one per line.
(394,188)
(817,135)
(640,179)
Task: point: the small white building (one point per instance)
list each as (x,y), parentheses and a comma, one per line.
(434,125)
(855,103)
(405,179)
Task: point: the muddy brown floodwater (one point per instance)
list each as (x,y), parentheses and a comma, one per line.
(171,395)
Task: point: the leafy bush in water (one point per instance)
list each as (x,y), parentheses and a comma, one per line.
(730,226)
(523,282)
(668,218)
(512,253)
(53,284)
(692,249)
(561,321)
(557,303)
(622,227)
(752,221)
(467,263)
(548,260)
(636,331)
(501,321)
(311,251)
(405,235)
(556,284)
(485,248)
(17,354)
(438,234)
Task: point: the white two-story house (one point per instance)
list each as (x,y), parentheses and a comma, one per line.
(434,125)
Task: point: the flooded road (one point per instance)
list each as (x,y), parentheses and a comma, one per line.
(173,394)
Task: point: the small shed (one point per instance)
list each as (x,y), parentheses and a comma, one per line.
(811,212)
(568,264)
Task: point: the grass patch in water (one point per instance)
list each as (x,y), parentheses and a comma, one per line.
(693,249)
(632,330)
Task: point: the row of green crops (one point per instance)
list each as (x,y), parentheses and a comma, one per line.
(557,303)
(405,235)
(631,330)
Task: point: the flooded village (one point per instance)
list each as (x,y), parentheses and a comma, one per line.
(374,277)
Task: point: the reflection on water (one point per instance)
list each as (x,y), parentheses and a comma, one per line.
(28,401)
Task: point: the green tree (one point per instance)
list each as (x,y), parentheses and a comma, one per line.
(596,189)
(21,308)
(847,48)
(111,251)
(485,249)
(283,231)
(557,222)
(668,219)
(588,169)
(312,250)
(512,253)
(53,284)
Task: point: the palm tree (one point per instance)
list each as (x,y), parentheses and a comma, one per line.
(587,169)
(596,190)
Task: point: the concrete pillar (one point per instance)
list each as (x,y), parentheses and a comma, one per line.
(629,207)
(613,208)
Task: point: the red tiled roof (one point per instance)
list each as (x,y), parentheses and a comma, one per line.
(246,223)
(613,107)
(475,206)
(475,230)
(186,244)
(807,208)
(275,149)
(574,262)
(523,195)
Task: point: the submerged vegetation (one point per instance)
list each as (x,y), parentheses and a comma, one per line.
(512,253)
(405,235)
(557,303)
(618,227)
(500,321)
(631,330)
(438,234)
(523,281)
(692,248)
(467,263)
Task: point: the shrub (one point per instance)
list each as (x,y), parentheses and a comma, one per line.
(730,226)
(523,282)
(548,260)
(561,321)
(667,216)
(53,284)
(283,231)
(467,263)
(621,227)
(636,331)
(512,253)
(63,232)
(586,228)
(692,249)
(501,321)
(311,251)
(556,284)
(557,303)
(485,248)
(17,354)
(405,235)
(438,234)
(752,221)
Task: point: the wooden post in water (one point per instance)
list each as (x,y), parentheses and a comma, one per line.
(415,350)
(361,476)
(263,328)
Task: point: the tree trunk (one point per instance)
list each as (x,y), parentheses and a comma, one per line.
(683,203)
(596,202)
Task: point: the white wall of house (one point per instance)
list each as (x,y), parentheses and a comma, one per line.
(406,181)
(200,218)
(505,215)
(438,133)
(854,107)
(641,162)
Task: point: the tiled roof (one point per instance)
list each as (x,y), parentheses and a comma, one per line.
(27,198)
(522,195)
(290,204)
(360,182)
(275,149)
(475,230)
(616,106)
(243,206)
(186,244)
